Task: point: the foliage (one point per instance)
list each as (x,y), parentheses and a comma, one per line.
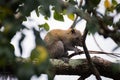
(14,12)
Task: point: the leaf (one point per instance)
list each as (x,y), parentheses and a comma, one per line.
(6,54)
(90,5)
(73,2)
(107,4)
(108,20)
(95,2)
(92,26)
(45,26)
(25,71)
(118,8)
(46,17)
(39,55)
(44,10)
(114,2)
(71,16)
(58,16)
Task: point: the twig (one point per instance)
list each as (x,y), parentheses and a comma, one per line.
(76,21)
(92,66)
(94,52)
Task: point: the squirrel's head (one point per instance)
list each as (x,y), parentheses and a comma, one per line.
(75,36)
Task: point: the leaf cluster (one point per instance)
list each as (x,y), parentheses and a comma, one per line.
(12,15)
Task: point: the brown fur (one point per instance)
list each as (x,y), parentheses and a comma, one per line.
(58,42)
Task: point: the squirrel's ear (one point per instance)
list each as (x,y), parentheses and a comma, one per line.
(73,31)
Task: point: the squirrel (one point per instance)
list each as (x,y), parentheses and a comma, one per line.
(58,42)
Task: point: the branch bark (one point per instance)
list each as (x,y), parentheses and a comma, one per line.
(81,67)
(73,67)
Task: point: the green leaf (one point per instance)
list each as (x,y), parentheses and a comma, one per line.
(118,23)
(73,2)
(25,71)
(91,4)
(108,20)
(116,67)
(46,17)
(58,16)
(71,16)
(45,26)
(39,55)
(114,2)
(6,54)
(92,26)
(95,2)
(118,8)
(45,11)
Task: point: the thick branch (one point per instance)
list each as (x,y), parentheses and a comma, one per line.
(81,67)
(73,67)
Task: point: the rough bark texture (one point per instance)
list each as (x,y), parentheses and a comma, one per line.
(80,67)
(76,67)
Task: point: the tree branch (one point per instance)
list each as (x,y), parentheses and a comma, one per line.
(81,67)
(95,52)
(92,66)
(73,67)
